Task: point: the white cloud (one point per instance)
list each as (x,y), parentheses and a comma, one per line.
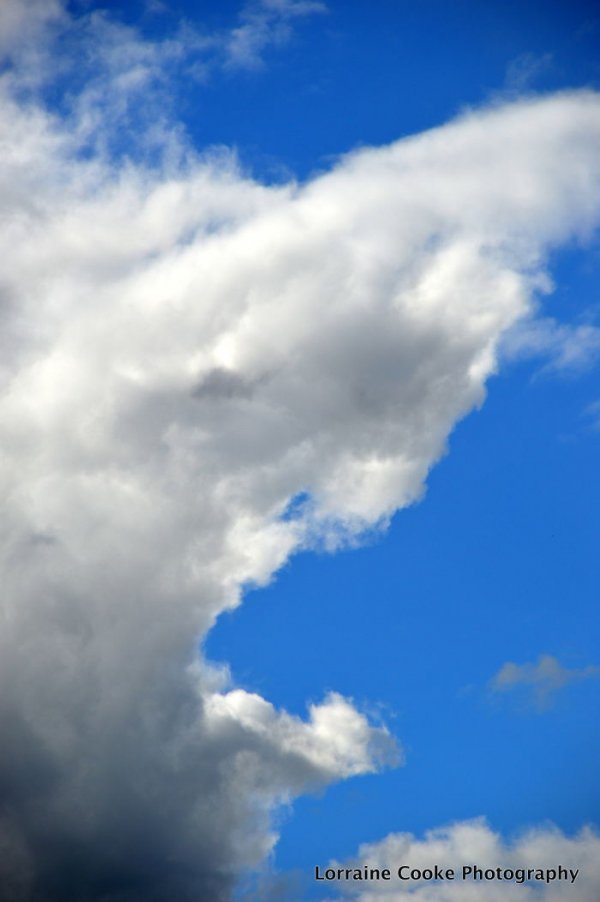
(22,22)
(592,412)
(118,67)
(265,23)
(567,347)
(543,679)
(525,70)
(185,351)
(474,843)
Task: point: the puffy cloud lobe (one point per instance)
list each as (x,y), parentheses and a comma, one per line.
(187,352)
(475,843)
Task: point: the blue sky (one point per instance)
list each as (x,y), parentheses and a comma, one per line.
(157,153)
(350,76)
(497,563)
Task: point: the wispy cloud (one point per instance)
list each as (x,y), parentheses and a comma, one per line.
(563,347)
(525,70)
(42,38)
(128,84)
(541,680)
(592,412)
(263,24)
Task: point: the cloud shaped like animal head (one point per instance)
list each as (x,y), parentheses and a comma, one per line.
(187,351)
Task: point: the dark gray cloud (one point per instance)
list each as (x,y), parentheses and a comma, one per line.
(220,384)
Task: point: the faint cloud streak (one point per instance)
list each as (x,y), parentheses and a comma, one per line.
(568,348)
(543,679)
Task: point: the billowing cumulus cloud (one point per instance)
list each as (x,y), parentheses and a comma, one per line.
(186,352)
(528,866)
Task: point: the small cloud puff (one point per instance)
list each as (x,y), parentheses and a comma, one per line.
(473,842)
(543,679)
